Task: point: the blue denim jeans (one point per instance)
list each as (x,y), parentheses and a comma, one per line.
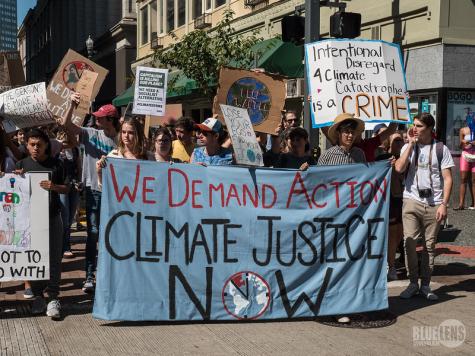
(69,204)
(93,214)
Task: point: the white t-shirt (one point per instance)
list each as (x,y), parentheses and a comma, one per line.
(410,190)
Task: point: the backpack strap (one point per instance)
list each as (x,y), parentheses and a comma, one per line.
(439,151)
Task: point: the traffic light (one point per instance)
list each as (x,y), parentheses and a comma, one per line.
(293,28)
(345,25)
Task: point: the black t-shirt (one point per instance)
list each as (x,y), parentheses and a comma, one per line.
(286,160)
(56,170)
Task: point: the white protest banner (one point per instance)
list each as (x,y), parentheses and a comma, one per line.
(245,145)
(362,77)
(150,91)
(85,87)
(25,107)
(24,228)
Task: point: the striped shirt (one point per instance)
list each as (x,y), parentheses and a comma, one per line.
(337,155)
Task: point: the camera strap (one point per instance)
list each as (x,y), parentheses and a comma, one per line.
(430,164)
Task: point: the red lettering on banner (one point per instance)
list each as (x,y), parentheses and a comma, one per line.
(212,188)
(126,189)
(146,190)
(337,193)
(232,193)
(352,194)
(315,192)
(298,179)
(363,185)
(195,193)
(254,199)
(272,189)
(381,190)
(171,203)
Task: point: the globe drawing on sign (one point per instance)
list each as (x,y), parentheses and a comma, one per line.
(73,71)
(246,295)
(253,95)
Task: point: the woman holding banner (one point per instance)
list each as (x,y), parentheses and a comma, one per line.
(131,145)
(162,146)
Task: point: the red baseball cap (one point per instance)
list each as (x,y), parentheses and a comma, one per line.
(106,110)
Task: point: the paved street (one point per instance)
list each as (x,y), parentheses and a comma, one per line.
(79,334)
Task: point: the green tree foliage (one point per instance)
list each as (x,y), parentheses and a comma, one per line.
(201,53)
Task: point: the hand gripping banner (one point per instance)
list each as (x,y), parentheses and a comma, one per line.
(186,242)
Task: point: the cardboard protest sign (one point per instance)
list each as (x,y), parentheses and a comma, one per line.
(172,113)
(235,243)
(150,91)
(85,87)
(25,107)
(262,94)
(11,71)
(65,80)
(24,228)
(245,145)
(362,77)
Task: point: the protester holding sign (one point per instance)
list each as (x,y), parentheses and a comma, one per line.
(427,191)
(40,160)
(343,133)
(97,143)
(211,133)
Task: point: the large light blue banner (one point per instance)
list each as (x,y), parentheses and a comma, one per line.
(186,242)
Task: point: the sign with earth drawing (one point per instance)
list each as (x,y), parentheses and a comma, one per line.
(261,94)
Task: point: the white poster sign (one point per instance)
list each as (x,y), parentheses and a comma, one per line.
(24,228)
(150,91)
(25,106)
(362,77)
(245,145)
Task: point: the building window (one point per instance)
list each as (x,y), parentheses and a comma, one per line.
(218,3)
(144,25)
(208,4)
(170,15)
(160,16)
(153,17)
(197,8)
(181,12)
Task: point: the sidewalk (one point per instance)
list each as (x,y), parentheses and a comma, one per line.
(79,334)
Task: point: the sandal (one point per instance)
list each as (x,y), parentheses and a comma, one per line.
(459,208)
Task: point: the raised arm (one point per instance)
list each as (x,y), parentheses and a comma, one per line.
(403,162)
(70,127)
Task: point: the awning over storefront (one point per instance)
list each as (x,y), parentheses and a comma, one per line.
(273,55)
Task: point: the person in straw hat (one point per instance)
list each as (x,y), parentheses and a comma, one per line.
(343,133)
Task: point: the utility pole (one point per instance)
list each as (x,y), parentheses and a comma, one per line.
(312,34)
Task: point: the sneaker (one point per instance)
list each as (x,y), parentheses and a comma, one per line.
(428,294)
(392,274)
(343,320)
(471,208)
(411,290)
(54,309)
(38,306)
(28,294)
(88,286)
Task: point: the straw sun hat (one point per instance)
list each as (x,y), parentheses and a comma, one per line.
(333,131)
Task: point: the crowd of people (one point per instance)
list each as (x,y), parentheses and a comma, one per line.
(75,157)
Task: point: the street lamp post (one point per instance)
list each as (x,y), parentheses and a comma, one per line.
(90,47)
(312,34)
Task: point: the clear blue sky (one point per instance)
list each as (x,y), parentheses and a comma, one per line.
(22,8)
